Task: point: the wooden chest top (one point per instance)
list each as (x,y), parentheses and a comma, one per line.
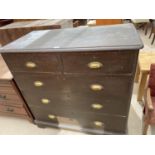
(31,24)
(99,38)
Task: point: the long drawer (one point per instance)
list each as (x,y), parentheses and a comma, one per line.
(83,102)
(85,120)
(108,85)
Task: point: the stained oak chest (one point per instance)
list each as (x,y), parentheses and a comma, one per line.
(77,78)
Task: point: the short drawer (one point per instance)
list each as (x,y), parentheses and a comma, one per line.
(32,62)
(94,121)
(110,62)
(13,110)
(89,102)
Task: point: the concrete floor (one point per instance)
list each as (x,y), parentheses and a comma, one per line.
(18,126)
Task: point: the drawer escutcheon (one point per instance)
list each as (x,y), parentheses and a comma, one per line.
(95,65)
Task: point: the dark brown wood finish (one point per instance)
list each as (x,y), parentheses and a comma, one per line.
(87,75)
(118,62)
(68,83)
(64,91)
(45,62)
(111,123)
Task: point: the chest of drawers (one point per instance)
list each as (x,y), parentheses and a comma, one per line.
(11,101)
(77,78)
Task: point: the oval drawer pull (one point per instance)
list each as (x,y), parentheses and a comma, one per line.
(96,87)
(45,100)
(95,65)
(51,116)
(38,83)
(98,123)
(97,106)
(31,65)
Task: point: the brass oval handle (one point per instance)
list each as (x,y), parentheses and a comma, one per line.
(45,101)
(38,83)
(30,64)
(98,123)
(95,65)
(50,116)
(97,106)
(96,87)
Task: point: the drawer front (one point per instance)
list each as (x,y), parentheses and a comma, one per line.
(82,102)
(7,90)
(99,63)
(12,110)
(85,120)
(5,83)
(12,103)
(9,97)
(107,85)
(32,62)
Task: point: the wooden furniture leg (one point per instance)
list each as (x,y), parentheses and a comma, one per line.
(146,28)
(153,39)
(145,128)
(137,73)
(151,31)
(142,86)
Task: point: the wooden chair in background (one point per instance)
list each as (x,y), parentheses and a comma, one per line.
(152,31)
(79,22)
(5,21)
(149,100)
(141,23)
